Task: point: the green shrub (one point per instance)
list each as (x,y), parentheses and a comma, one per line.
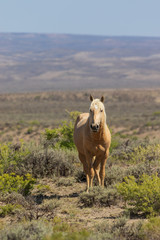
(151,230)
(53,162)
(14,198)
(142,154)
(50,205)
(119,229)
(27,231)
(148,124)
(64,231)
(115,143)
(99,197)
(12,155)
(29,130)
(156,113)
(63,136)
(39,161)
(114,174)
(15,183)
(143,196)
(51,133)
(65,182)
(81,235)
(8,209)
(136,151)
(137,170)
(117,173)
(42,188)
(34,123)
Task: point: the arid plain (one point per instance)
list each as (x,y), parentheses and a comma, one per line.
(45,78)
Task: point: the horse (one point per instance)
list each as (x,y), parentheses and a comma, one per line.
(92,139)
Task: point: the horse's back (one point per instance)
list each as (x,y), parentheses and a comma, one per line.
(79,130)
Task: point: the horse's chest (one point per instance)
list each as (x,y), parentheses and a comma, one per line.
(95,148)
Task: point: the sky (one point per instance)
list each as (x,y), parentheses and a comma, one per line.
(89,17)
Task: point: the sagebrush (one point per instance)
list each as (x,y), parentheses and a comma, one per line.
(142,195)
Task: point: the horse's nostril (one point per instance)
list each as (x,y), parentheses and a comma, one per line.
(94,127)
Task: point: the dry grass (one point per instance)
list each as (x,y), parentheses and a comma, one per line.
(128,112)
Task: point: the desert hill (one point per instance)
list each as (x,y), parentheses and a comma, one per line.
(42,62)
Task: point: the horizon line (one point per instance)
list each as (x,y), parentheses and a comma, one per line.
(81,34)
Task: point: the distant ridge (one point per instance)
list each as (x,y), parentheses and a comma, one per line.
(41,62)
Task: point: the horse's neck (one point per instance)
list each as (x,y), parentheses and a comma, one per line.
(103,127)
(103,130)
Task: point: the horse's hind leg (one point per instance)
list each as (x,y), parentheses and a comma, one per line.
(90,161)
(85,168)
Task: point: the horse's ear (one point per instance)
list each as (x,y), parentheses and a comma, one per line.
(102,99)
(91,98)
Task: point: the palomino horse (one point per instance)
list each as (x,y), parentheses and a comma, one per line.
(92,139)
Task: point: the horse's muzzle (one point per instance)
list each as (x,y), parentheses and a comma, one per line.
(94,127)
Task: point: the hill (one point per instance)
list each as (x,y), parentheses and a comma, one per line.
(42,62)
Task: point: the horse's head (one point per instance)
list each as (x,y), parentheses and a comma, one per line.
(97,115)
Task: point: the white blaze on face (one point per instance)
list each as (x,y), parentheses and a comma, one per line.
(95,106)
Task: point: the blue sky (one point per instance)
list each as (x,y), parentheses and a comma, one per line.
(93,17)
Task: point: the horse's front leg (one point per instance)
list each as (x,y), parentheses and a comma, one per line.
(102,169)
(85,168)
(90,161)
